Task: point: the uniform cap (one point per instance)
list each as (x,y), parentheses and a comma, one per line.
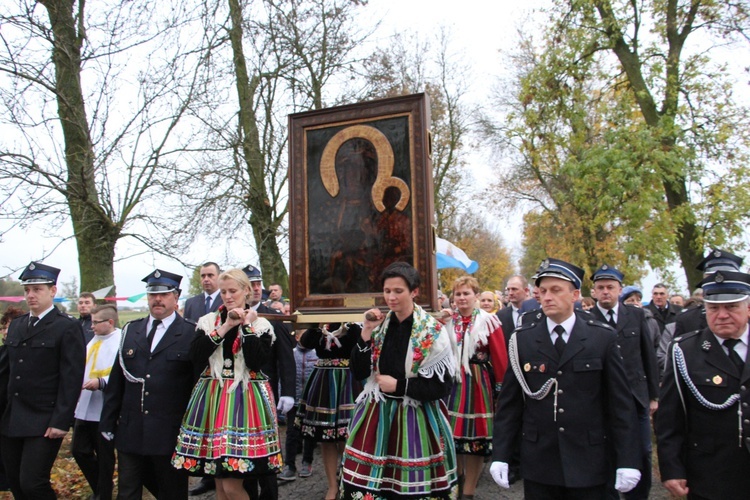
(556,268)
(719,260)
(253,273)
(162,282)
(724,287)
(38,273)
(607,273)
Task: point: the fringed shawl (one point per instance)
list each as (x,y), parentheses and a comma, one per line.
(481,329)
(429,353)
(211,322)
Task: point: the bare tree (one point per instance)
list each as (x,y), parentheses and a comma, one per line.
(281,57)
(88,135)
(412,65)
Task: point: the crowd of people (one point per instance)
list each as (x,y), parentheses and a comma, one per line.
(561,391)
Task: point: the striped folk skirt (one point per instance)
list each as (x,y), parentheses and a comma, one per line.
(327,402)
(399,451)
(470,410)
(229,434)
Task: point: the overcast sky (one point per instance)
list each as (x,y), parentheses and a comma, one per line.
(480,30)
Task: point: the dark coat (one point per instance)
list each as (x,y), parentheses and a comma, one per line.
(669,316)
(195,306)
(690,320)
(169,377)
(505,315)
(703,445)
(637,349)
(43,367)
(281,367)
(595,407)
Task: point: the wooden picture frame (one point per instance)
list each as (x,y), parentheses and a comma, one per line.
(361,195)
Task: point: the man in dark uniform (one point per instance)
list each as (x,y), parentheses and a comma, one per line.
(716,260)
(147,394)
(568,392)
(639,359)
(703,424)
(281,370)
(42,370)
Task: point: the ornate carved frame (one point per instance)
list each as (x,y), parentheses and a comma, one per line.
(386,139)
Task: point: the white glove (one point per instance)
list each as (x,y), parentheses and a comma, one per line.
(499,472)
(627,479)
(285,404)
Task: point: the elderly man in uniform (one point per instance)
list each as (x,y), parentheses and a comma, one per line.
(42,370)
(568,392)
(148,392)
(637,349)
(716,260)
(703,424)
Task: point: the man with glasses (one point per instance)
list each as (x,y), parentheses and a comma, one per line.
(94,454)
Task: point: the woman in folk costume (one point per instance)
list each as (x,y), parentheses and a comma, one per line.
(327,403)
(479,347)
(230,429)
(400,443)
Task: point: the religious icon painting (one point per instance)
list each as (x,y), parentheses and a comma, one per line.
(361,198)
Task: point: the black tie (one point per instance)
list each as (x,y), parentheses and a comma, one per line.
(560,341)
(208,304)
(32,321)
(152,332)
(611,319)
(736,359)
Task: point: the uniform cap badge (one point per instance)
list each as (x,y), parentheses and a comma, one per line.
(32,266)
(719,278)
(717,253)
(157,274)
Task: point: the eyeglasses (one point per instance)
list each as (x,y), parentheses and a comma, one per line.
(98,322)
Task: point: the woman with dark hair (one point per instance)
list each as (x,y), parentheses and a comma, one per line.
(230,430)
(400,443)
(327,402)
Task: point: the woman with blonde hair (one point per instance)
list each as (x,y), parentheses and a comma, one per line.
(479,346)
(230,429)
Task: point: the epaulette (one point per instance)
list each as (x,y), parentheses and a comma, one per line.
(686,336)
(533,315)
(524,326)
(600,324)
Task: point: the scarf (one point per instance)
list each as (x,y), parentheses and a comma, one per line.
(430,353)
(479,330)
(213,321)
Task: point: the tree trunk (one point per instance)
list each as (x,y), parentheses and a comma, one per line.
(257,201)
(94,234)
(687,237)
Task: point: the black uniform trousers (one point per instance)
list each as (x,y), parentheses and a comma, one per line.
(95,456)
(155,472)
(28,462)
